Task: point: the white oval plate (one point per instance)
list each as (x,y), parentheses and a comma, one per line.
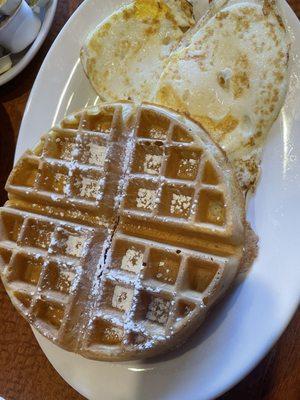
(243,328)
(25,57)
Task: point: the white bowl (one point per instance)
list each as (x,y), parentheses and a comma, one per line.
(20,29)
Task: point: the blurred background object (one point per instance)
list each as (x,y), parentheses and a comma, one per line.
(8,7)
(22,34)
(19,29)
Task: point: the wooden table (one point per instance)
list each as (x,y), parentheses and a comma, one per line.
(25,373)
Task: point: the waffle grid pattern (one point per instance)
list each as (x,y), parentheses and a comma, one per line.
(152,300)
(146,288)
(146,304)
(184,178)
(69,166)
(43,257)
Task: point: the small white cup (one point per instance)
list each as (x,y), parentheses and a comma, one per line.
(8,7)
(20,29)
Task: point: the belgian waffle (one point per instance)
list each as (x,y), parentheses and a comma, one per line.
(123,226)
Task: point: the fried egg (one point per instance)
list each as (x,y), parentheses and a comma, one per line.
(126,54)
(231,75)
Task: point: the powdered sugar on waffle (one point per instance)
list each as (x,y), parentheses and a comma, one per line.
(180,203)
(137,289)
(132,261)
(146,199)
(122,298)
(158,310)
(97,154)
(89,188)
(74,245)
(152,164)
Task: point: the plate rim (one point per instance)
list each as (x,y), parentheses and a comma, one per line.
(268,345)
(35,46)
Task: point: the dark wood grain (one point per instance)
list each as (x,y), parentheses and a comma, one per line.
(295,4)
(25,373)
